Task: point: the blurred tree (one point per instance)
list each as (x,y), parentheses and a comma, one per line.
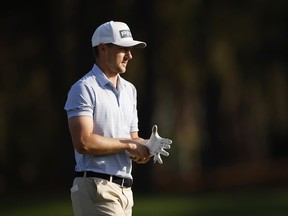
(213,78)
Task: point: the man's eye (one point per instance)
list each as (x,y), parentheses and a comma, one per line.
(127,49)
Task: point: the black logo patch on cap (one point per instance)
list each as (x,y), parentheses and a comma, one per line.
(125,33)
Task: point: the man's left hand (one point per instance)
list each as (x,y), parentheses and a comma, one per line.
(157,144)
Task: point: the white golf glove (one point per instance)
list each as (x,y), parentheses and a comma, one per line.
(157,144)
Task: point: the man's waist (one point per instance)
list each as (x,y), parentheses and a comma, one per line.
(126,182)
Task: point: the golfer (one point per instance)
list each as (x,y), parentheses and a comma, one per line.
(103,123)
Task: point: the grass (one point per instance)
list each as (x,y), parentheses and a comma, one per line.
(264,203)
(227,204)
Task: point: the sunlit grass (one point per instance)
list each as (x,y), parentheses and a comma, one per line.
(264,203)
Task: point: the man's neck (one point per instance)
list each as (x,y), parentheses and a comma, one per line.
(113,77)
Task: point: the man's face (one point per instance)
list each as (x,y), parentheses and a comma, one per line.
(117,58)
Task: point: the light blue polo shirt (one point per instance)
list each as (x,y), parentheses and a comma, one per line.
(114,112)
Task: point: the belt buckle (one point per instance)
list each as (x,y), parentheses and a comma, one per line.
(122,182)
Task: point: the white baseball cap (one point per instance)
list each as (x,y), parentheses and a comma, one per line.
(117,33)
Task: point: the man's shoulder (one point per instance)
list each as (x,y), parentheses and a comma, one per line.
(87,79)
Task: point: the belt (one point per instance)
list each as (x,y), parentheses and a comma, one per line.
(126,182)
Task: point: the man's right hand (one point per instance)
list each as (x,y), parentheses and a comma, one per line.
(139,151)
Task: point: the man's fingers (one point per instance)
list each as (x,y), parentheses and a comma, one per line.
(164,153)
(154,129)
(158,158)
(133,158)
(139,160)
(157,144)
(166,147)
(165,141)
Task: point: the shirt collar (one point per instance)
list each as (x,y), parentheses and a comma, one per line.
(103,80)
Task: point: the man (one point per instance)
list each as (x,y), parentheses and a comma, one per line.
(103,122)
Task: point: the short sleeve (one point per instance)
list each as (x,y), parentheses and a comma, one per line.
(80,100)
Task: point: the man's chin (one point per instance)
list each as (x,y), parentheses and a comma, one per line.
(122,70)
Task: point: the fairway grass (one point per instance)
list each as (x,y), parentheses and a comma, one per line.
(264,203)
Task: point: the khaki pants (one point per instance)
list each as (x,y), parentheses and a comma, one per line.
(95,196)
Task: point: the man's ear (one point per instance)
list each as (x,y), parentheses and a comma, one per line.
(101,48)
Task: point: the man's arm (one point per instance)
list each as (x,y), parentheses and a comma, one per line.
(87,142)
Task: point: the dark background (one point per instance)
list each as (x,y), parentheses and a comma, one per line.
(213,78)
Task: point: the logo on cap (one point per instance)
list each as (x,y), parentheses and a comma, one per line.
(125,33)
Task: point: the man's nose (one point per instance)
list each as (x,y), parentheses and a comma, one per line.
(128,54)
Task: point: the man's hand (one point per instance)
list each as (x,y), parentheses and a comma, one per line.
(157,144)
(139,151)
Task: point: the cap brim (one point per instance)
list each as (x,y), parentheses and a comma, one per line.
(134,43)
